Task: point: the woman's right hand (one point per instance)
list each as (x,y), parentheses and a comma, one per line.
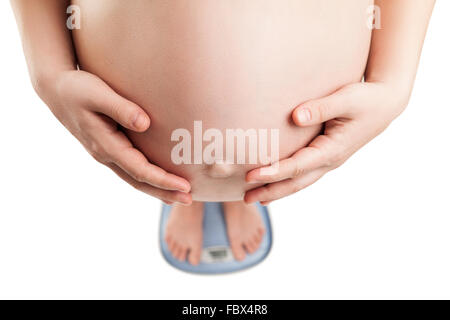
(91,111)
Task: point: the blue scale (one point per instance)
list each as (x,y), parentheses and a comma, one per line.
(216,255)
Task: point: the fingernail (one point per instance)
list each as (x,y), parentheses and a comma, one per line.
(184,199)
(183,189)
(304,115)
(140,121)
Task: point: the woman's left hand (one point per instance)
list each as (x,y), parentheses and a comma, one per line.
(352,116)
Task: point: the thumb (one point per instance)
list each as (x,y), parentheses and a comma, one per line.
(321,110)
(126,113)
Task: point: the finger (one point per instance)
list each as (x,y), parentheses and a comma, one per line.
(303,161)
(121,110)
(164,195)
(121,152)
(114,146)
(278,190)
(336,105)
(136,165)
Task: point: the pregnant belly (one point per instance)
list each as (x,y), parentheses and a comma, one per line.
(224,66)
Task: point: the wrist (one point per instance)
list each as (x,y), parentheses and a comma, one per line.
(48,84)
(397,91)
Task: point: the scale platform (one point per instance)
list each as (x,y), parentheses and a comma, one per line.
(216,256)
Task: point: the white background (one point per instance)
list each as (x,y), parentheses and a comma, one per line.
(378,227)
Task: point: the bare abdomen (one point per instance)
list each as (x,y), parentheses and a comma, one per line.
(229,64)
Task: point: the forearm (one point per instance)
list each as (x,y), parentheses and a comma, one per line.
(396,47)
(358,112)
(46,40)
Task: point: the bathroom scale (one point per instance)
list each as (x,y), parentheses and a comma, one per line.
(216,256)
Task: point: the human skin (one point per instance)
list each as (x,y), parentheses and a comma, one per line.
(356,113)
(230,64)
(52,66)
(247,71)
(352,119)
(85,104)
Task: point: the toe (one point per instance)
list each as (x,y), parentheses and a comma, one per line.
(182,254)
(250,246)
(172,246)
(177,253)
(260,231)
(174,249)
(257,243)
(168,239)
(257,239)
(194,256)
(238,251)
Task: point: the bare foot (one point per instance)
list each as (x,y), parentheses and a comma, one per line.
(184,232)
(245,228)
